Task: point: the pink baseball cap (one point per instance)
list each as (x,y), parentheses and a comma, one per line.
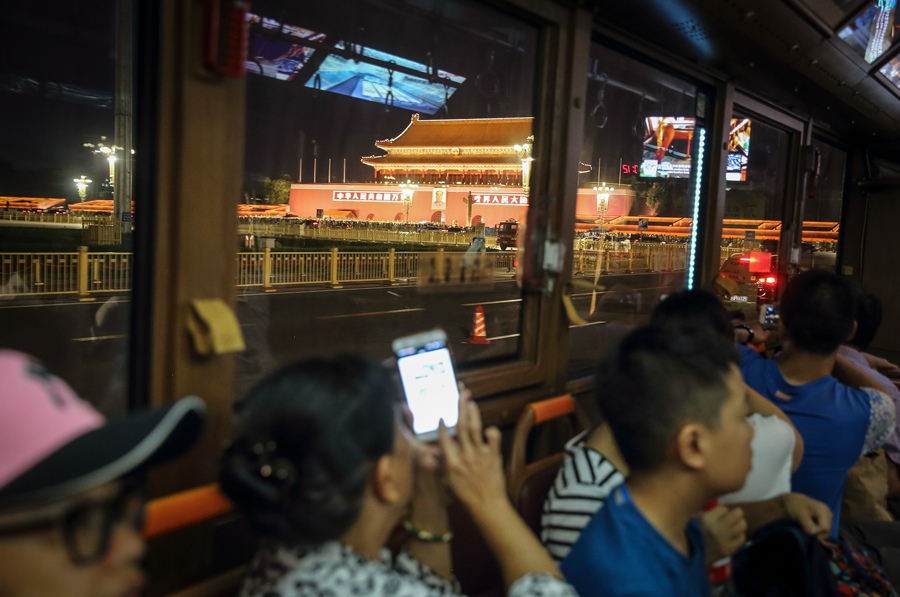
(53,444)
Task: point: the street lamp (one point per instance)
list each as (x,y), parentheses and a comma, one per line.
(603,193)
(407,190)
(82,185)
(524,153)
(108,152)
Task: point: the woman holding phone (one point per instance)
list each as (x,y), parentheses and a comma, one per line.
(324,464)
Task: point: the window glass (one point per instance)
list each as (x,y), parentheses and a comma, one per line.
(65,163)
(891,71)
(386,175)
(635,197)
(871,32)
(756,177)
(822,209)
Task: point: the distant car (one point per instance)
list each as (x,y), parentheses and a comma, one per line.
(506,234)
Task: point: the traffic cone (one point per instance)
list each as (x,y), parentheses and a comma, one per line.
(479,335)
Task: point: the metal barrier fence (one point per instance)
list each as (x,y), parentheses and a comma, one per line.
(637,257)
(77,273)
(84,274)
(362,232)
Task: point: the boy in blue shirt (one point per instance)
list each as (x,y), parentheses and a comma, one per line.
(840,417)
(677,407)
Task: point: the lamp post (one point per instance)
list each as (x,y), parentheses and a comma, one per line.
(407,190)
(108,152)
(603,193)
(524,153)
(82,185)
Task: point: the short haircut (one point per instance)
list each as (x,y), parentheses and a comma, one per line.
(691,309)
(869,312)
(657,380)
(308,437)
(817,310)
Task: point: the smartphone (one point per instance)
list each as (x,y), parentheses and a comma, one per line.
(429,382)
(769,314)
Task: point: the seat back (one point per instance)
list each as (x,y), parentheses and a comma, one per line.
(181,510)
(529,482)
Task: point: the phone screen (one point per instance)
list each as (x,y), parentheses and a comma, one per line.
(769,314)
(426,371)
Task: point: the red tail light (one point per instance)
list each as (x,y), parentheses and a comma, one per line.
(770,280)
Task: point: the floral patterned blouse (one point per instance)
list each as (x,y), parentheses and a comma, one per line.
(335,570)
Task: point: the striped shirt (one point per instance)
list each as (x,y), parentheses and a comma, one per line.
(582,485)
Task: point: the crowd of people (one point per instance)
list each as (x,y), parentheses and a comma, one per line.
(703,442)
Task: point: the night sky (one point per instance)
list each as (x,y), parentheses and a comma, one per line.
(57,83)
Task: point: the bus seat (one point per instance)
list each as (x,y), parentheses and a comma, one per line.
(184,509)
(529,482)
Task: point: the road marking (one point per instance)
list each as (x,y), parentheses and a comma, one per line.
(584,325)
(518,300)
(370,313)
(393,293)
(504,337)
(571,326)
(95,338)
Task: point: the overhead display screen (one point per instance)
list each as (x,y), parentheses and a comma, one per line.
(667,148)
(871,32)
(377,83)
(376,79)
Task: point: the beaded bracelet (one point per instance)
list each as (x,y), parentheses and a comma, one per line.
(423,535)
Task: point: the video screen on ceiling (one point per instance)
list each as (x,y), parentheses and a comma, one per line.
(375,83)
(667,148)
(738,150)
(281,59)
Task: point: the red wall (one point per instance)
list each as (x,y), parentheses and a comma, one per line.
(307,198)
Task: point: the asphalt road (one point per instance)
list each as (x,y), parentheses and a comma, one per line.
(86,343)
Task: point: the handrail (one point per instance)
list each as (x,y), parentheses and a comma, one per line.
(178,511)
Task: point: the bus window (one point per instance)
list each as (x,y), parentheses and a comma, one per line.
(66,261)
(415,131)
(634,197)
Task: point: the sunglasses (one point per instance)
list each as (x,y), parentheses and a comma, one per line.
(87,527)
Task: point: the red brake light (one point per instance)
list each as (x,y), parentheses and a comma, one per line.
(770,280)
(745,260)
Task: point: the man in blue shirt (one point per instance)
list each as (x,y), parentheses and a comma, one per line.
(839,422)
(677,407)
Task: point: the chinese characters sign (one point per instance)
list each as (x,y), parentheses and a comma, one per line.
(373,196)
(500,199)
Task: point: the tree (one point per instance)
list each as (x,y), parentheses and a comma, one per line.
(668,197)
(278,190)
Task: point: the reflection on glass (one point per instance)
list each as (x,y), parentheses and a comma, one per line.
(379,170)
(822,209)
(635,198)
(751,227)
(65,163)
(871,32)
(891,70)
